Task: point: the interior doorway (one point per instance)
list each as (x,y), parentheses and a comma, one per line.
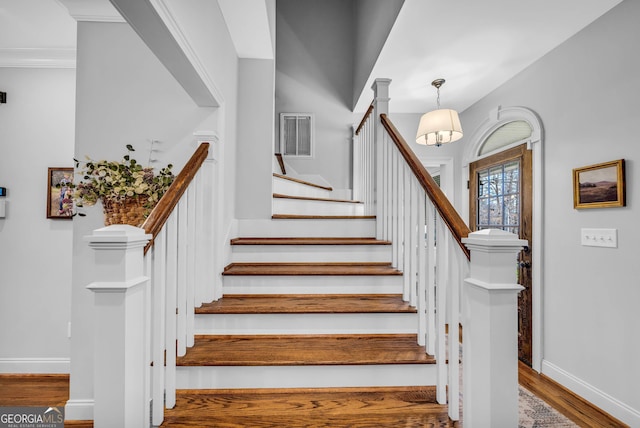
(500,196)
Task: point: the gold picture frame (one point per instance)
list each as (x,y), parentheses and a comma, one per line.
(59,201)
(599,186)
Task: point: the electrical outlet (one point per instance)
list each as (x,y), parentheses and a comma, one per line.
(599,238)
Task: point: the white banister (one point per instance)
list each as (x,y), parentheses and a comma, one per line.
(120,294)
(490,339)
(146,295)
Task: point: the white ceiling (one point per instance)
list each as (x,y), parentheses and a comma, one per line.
(475,45)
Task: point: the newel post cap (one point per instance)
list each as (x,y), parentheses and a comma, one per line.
(494,238)
(118,236)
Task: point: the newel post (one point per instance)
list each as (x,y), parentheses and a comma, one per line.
(490,330)
(380,106)
(120,290)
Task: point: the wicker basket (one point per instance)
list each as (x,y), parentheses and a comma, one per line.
(125,210)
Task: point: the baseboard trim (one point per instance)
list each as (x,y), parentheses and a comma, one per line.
(79,410)
(35,365)
(592,394)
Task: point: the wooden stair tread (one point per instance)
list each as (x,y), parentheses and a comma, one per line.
(307,303)
(310,198)
(306,183)
(321,217)
(296,350)
(321,268)
(308,241)
(318,407)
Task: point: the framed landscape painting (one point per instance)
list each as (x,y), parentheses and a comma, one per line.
(599,186)
(59,193)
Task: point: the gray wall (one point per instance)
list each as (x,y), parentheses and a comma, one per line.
(36,132)
(586,93)
(373,21)
(314,74)
(255,138)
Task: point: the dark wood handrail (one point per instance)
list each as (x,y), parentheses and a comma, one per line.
(364,119)
(448,213)
(161,212)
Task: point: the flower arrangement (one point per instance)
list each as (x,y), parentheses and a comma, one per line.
(119,183)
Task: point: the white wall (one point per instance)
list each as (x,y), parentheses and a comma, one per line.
(126,96)
(586,93)
(36,132)
(314,74)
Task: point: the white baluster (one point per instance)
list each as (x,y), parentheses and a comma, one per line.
(430,277)
(190,299)
(171,306)
(423,273)
(441,304)
(454,321)
(181,302)
(158,287)
(414,231)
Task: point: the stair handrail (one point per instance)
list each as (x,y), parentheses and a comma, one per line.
(364,118)
(449,215)
(161,212)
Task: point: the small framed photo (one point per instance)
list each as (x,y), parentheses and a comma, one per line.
(599,186)
(59,193)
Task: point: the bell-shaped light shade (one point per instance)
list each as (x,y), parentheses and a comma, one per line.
(439,127)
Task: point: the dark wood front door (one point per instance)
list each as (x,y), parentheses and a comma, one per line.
(500,193)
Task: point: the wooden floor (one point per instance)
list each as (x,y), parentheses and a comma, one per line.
(356,408)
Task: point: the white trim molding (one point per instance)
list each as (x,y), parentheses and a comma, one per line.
(164,12)
(496,118)
(35,365)
(609,404)
(92,10)
(79,410)
(38,57)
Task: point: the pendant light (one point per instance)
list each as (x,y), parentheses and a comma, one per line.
(440,126)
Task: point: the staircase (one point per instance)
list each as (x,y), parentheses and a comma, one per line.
(320,310)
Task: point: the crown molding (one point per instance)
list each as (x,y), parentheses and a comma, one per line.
(38,57)
(92,10)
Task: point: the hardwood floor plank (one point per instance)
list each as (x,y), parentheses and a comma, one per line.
(308,241)
(306,183)
(307,303)
(333,269)
(34,390)
(310,198)
(246,350)
(321,217)
(564,401)
(322,407)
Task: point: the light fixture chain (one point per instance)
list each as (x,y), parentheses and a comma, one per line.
(438,98)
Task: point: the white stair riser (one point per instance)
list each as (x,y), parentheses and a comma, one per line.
(302,284)
(348,228)
(288,187)
(311,207)
(228,377)
(358,323)
(311,253)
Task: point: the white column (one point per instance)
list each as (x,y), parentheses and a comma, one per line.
(490,330)
(380,105)
(120,290)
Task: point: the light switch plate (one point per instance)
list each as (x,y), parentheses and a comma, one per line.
(599,237)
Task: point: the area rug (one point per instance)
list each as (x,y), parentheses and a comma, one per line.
(535,413)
